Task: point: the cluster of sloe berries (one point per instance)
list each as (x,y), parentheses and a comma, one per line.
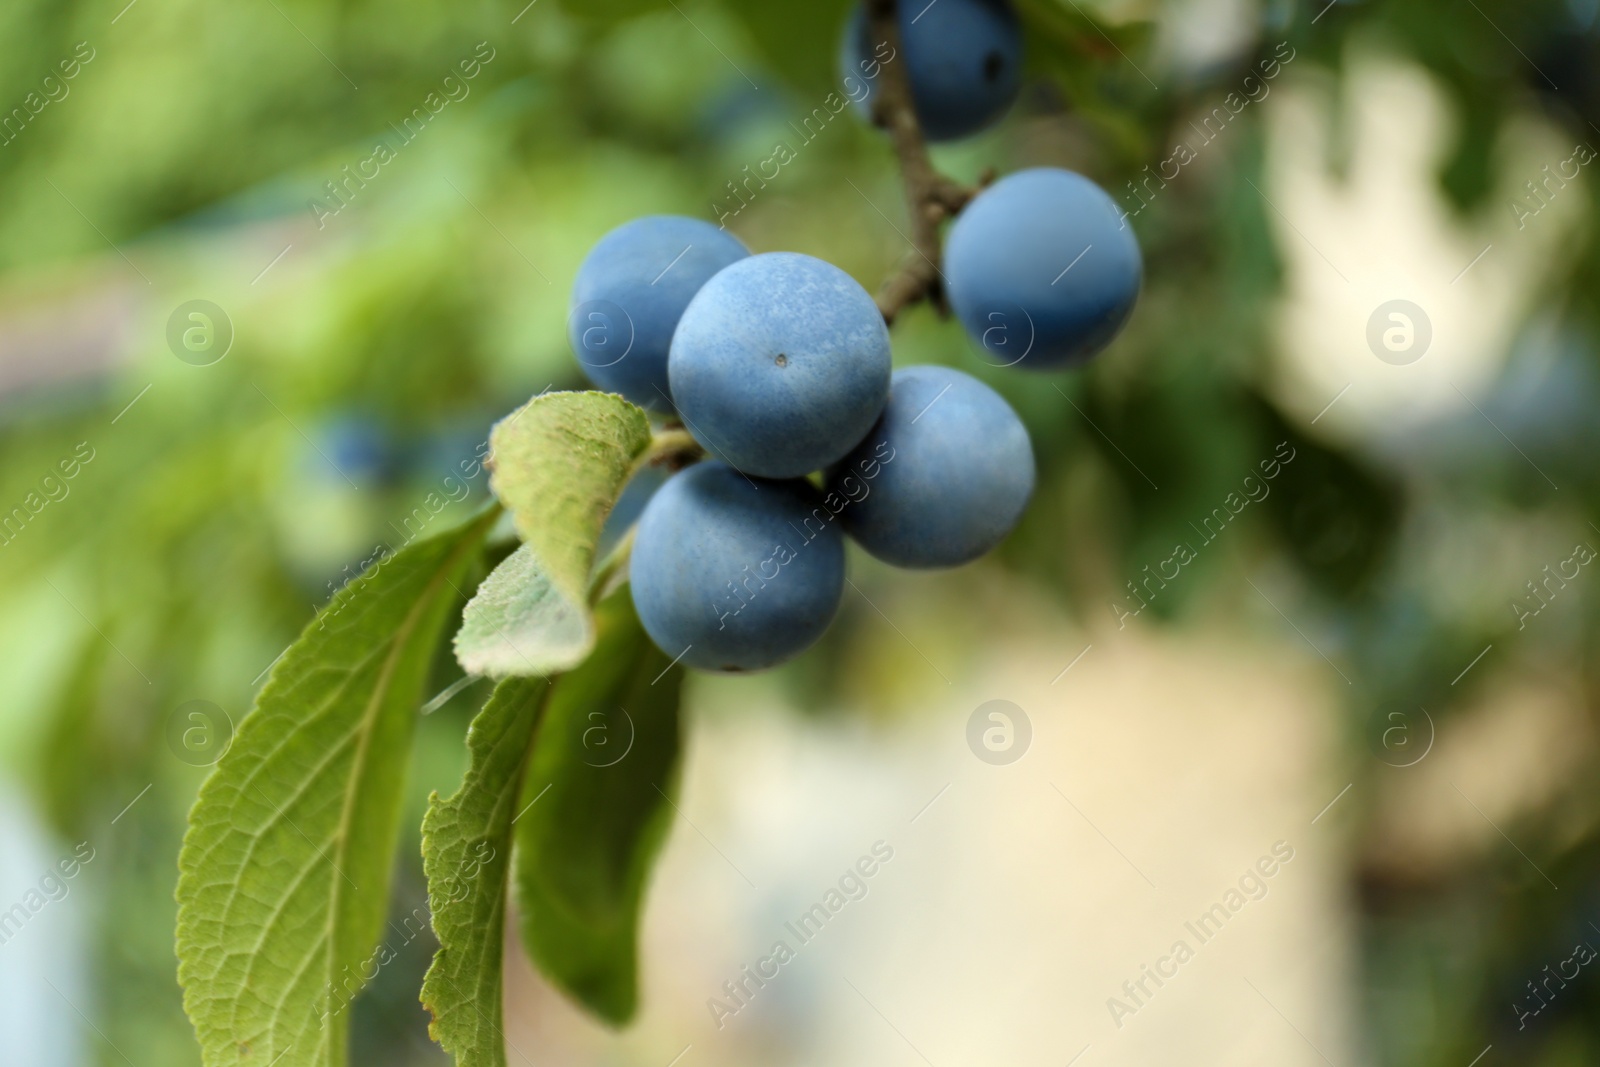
(778,365)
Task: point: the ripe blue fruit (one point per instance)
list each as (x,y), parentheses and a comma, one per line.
(964,59)
(942,478)
(780,364)
(629,294)
(1041,269)
(731,573)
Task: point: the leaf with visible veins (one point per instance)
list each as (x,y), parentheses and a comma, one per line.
(284,875)
(466,853)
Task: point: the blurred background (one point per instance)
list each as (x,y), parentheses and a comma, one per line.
(228,373)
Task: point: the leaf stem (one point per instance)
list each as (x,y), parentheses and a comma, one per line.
(673,446)
(610,568)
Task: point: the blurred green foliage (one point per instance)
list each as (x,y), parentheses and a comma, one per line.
(371,357)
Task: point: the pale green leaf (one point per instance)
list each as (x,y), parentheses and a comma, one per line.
(518,625)
(559,463)
(596,812)
(466,853)
(284,874)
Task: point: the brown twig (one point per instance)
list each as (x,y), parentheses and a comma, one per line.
(930,196)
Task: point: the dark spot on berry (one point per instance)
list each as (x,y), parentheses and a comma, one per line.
(993,64)
(782,360)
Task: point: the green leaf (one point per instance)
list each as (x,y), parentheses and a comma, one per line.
(1100,65)
(518,625)
(799,41)
(1065,28)
(595,812)
(559,463)
(284,873)
(466,853)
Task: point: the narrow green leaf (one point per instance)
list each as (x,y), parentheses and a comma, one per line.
(559,463)
(518,625)
(466,853)
(284,873)
(596,810)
